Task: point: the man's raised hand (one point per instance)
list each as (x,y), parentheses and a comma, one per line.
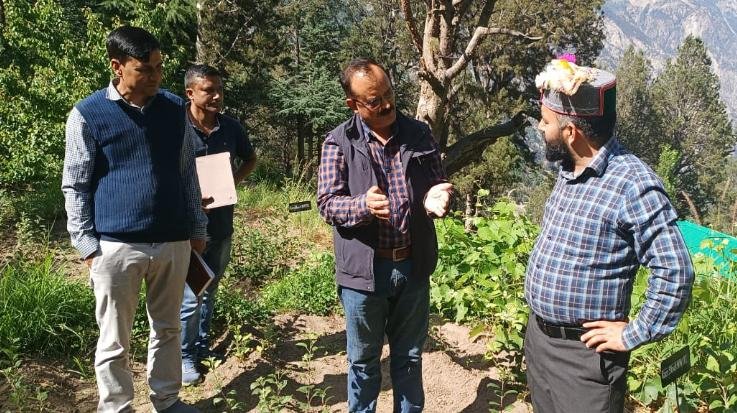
(438,199)
(377,203)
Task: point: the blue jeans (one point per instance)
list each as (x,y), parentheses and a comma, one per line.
(196,314)
(398,308)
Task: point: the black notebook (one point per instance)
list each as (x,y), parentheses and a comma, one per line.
(199,275)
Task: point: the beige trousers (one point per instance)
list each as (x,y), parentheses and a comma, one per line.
(116,275)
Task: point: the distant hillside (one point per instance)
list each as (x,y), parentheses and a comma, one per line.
(659,26)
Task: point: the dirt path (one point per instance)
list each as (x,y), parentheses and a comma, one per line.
(454,370)
(456,375)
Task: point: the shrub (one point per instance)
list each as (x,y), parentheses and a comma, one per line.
(709,327)
(234,309)
(480,274)
(310,289)
(258,255)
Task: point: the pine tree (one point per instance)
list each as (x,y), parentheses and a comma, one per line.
(637,123)
(694,121)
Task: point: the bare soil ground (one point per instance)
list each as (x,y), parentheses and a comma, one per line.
(455,373)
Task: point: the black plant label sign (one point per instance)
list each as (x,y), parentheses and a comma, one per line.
(675,366)
(300,206)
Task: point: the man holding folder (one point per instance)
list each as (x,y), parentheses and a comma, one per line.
(211,133)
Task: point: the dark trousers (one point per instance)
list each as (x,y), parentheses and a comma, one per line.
(566,377)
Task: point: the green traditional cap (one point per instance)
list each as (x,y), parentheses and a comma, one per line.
(574,90)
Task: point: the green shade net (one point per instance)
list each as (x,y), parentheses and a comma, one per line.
(694,235)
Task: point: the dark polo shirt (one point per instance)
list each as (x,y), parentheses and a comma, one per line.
(228,136)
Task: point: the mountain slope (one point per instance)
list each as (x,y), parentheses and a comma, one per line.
(659,26)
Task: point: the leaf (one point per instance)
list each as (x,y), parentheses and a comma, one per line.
(487,234)
(650,392)
(712,364)
(476,332)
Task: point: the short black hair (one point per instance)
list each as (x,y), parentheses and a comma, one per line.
(598,129)
(130,41)
(199,71)
(361,64)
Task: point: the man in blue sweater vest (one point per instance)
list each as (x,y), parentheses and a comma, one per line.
(211,132)
(134,213)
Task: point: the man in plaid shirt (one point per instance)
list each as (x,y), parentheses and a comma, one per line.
(607,215)
(380,184)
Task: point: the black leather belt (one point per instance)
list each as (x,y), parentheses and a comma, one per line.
(394,254)
(566,332)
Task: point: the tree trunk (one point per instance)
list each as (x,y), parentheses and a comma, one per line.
(440,64)
(310,146)
(432,110)
(470,213)
(300,145)
(199,43)
(691,207)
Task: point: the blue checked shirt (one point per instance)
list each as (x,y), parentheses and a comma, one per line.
(598,228)
(349,211)
(79,164)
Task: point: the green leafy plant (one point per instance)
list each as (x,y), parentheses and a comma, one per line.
(211,364)
(480,274)
(310,390)
(709,328)
(269,390)
(21,394)
(504,390)
(244,344)
(480,280)
(234,309)
(229,401)
(314,395)
(717,378)
(260,254)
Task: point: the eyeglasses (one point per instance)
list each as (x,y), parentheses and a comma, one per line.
(377,102)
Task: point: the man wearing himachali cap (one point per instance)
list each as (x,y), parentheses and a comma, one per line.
(607,215)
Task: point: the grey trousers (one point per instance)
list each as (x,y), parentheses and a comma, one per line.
(566,377)
(116,275)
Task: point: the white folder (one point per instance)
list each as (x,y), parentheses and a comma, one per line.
(216,179)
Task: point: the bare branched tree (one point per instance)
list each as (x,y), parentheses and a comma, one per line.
(440,64)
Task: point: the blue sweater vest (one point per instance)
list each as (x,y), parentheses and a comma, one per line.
(137,184)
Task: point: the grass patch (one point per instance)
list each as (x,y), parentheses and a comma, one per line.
(271,200)
(44,313)
(268,241)
(43,203)
(310,289)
